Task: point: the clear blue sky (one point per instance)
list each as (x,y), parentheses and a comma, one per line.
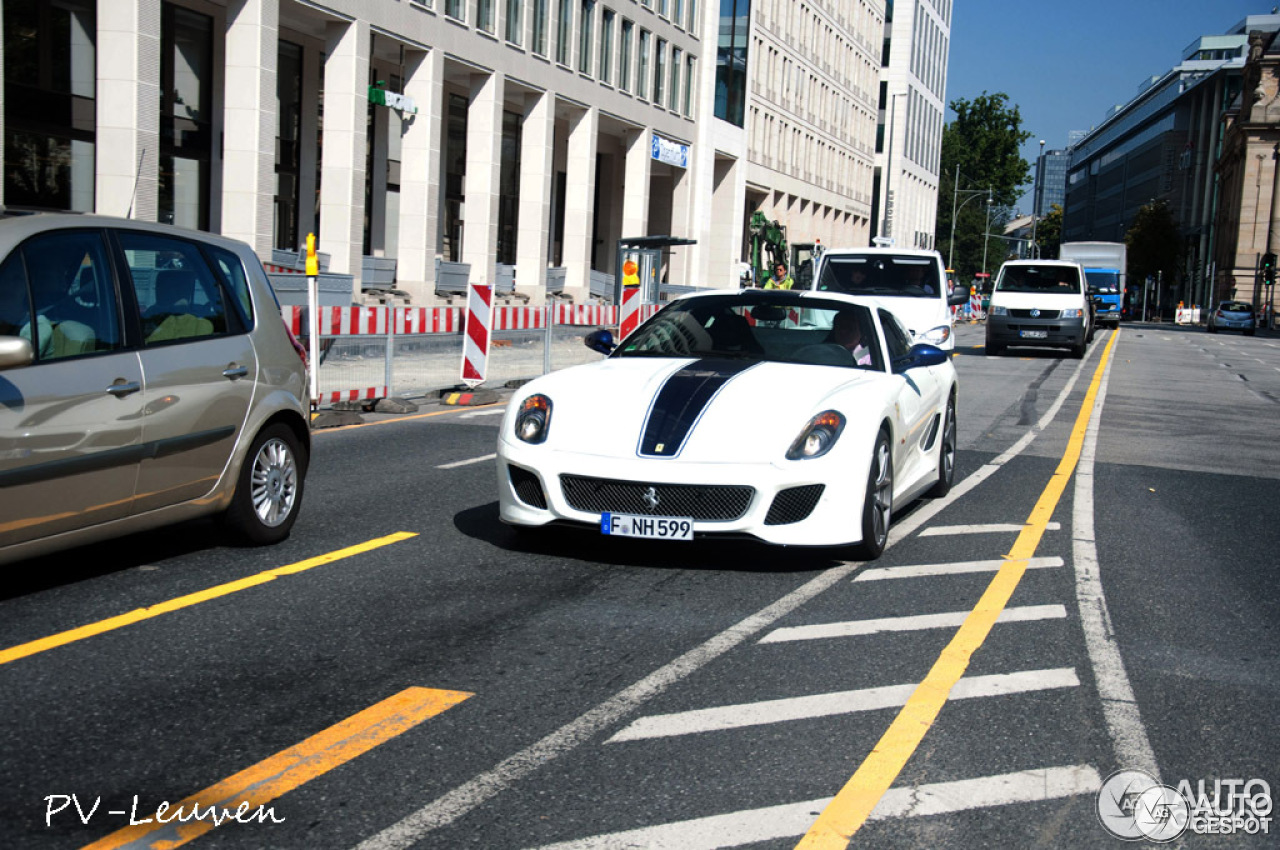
(1064,65)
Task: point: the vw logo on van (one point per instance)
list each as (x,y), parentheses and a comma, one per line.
(1035,314)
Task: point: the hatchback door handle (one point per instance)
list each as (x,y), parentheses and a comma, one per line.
(122,388)
(235,371)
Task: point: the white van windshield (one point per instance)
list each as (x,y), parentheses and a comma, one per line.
(1053,279)
(880,274)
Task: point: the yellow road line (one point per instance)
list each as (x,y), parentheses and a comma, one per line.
(850,808)
(23,650)
(247,792)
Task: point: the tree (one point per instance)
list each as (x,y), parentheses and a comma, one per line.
(1155,248)
(983,143)
(1049,233)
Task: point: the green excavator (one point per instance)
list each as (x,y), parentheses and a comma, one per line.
(769,246)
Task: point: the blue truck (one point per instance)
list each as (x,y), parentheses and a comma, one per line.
(1104,266)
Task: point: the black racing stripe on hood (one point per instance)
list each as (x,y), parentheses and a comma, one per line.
(681,401)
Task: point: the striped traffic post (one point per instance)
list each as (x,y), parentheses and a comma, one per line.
(630,311)
(475,336)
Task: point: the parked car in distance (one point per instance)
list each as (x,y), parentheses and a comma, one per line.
(145,378)
(911,282)
(1232,316)
(1040,303)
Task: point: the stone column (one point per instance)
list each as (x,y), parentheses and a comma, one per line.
(128,131)
(484,170)
(579,202)
(249,104)
(537,151)
(346,102)
(635,194)
(420,176)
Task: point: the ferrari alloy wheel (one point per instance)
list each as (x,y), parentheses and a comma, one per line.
(946,452)
(877,506)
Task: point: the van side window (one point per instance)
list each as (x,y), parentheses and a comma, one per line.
(178,295)
(67,278)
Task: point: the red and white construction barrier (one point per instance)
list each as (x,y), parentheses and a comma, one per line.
(975,304)
(630,319)
(475,338)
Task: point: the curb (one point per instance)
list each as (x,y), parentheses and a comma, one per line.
(469,398)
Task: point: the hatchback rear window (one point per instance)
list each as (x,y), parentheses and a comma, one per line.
(1236,307)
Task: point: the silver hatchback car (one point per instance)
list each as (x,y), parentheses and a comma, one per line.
(145,378)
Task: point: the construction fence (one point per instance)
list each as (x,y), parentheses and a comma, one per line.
(369,353)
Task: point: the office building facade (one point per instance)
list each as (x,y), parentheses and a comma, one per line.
(517,139)
(910,118)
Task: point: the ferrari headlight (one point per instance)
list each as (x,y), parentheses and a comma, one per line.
(936,336)
(534,419)
(999,311)
(818,436)
(1071,314)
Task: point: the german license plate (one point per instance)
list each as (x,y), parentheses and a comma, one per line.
(1033,334)
(649,527)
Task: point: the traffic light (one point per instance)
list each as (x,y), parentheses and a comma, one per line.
(1269,267)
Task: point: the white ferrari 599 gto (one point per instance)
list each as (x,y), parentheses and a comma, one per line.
(797,418)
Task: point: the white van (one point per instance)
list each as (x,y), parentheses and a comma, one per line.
(911,282)
(1042,303)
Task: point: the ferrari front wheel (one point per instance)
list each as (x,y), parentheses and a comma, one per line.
(946,452)
(877,504)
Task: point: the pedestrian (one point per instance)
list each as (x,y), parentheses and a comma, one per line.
(780,279)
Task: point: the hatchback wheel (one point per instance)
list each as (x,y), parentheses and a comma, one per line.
(269,488)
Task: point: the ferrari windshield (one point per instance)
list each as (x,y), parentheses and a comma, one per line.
(760,326)
(908,275)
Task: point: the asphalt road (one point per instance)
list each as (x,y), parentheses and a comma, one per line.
(406,672)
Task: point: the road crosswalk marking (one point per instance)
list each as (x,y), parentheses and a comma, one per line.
(840,702)
(750,826)
(956,568)
(950,619)
(987,528)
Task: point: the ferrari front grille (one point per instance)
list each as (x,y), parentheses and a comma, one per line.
(706,502)
(794,504)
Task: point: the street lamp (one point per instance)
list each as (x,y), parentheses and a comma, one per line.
(987,236)
(955,194)
(1037,195)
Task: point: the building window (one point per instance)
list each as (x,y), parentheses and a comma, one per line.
(642,75)
(731,60)
(455,172)
(456,9)
(186,110)
(563,31)
(584,42)
(288,147)
(624,57)
(606,46)
(539,41)
(677,12)
(515,21)
(676,62)
(688,85)
(659,71)
(49,104)
(693,16)
(484,15)
(509,188)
